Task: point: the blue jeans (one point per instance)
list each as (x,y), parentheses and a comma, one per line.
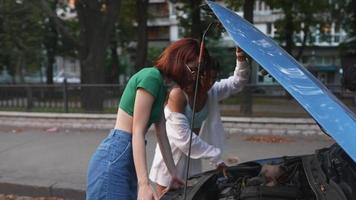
(111,171)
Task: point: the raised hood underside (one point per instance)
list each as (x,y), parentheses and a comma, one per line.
(334,117)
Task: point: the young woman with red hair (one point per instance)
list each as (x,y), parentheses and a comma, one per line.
(118,167)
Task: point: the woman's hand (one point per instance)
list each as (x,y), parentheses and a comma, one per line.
(240,55)
(174,184)
(146,192)
(222,167)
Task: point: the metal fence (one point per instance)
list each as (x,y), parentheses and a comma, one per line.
(56,98)
(69,97)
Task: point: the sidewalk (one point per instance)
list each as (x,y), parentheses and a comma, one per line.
(52,161)
(244,125)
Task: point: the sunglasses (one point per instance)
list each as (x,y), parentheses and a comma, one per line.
(194,71)
(203,74)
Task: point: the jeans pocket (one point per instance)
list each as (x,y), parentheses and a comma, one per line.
(104,145)
(119,150)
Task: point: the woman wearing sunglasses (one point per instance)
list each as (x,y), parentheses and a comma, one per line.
(208,133)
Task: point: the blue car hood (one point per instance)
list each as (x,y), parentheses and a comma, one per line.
(334,117)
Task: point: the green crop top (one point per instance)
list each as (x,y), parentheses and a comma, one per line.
(151,80)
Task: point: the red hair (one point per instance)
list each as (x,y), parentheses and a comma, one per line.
(173,59)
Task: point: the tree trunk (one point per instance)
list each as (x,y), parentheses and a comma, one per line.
(51,47)
(141,55)
(96,21)
(289,33)
(246,94)
(20,69)
(304,42)
(49,68)
(248,10)
(113,74)
(50,44)
(353,21)
(196,29)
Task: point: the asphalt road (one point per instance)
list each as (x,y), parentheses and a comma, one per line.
(59,157)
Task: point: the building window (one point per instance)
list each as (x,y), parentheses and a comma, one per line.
(158,10)
(158,33)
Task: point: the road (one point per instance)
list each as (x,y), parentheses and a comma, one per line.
(58,158)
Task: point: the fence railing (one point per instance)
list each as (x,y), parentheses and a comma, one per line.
(69,97)
(58,97)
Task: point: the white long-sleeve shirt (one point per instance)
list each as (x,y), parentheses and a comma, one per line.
(209,143)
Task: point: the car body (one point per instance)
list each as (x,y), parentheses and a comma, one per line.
(329,174)
(70,77)
(5,77)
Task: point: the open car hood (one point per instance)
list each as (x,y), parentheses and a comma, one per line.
(334,117)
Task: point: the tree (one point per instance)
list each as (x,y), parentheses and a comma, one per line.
(96,19)
(351,10)
(191,19)
(112,69)
(50,43)
(123,35)
(299,16)
(96,22)
(21,37)
(56,43)
(141,14)
(246,94)
(246,103)
(344,13)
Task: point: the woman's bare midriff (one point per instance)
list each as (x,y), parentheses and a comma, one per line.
(123,121)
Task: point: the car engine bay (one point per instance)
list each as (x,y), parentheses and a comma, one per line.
(327,175)
(270,181)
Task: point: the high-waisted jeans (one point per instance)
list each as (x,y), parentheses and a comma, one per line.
(111,171)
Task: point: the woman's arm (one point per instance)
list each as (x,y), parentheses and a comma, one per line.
(142,110)
(178,130)
(226,87)
(166,151)
(164,145)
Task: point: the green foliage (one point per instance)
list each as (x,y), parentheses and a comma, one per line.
(21,34)
(66,48)
(303,15)
(233,4)
(124,28)
(225,57)
(191,18)
(184,16)
(344,12)
(27,35)
(152,55)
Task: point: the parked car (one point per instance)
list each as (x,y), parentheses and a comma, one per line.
(71,78)
(5,77)
(36,77)
(329,174)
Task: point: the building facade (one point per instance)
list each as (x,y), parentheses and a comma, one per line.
(320,56)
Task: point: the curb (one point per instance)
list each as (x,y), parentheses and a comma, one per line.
(113,117)
(243,125)
(271,120)
(57,115)
(35,191)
